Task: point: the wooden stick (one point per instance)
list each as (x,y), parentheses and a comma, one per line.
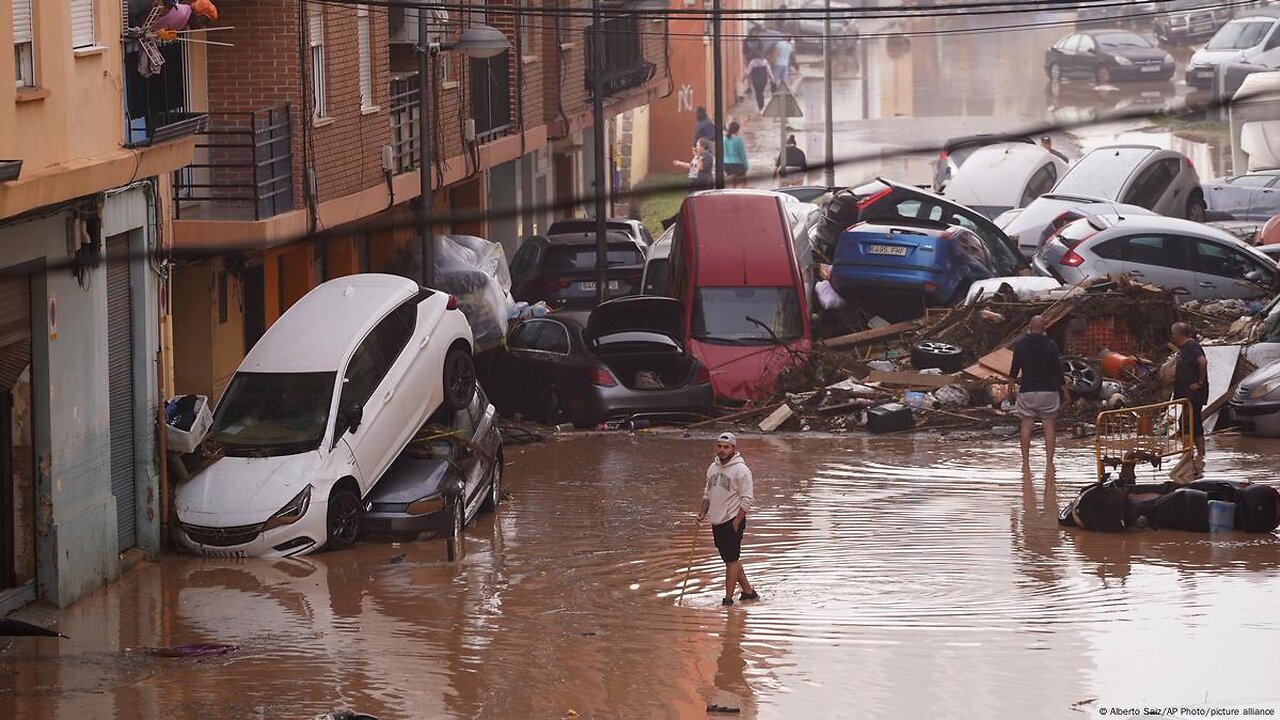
(689,566)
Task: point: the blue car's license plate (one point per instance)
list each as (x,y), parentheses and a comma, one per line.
(895,250)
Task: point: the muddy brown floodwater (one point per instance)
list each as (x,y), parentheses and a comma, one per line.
(901,578)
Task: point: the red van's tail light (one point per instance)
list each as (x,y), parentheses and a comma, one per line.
(869,200)
(452,304)
(1071,259)
(601,377)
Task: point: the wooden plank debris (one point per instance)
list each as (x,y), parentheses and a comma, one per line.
(870,336)
(910,379)
(775,420)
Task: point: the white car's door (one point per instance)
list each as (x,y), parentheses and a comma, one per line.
(370,385)
(1225,272)
(1160,260)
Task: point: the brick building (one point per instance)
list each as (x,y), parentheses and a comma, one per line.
(313,126)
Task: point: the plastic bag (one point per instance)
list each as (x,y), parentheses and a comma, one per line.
(475,272)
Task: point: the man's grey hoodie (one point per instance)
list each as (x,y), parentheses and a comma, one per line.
(728,489)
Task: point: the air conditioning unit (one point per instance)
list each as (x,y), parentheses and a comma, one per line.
(402,25)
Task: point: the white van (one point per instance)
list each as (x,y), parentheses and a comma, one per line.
(1253,39)
(316,412)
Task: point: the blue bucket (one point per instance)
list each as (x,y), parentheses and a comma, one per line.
(1222,516)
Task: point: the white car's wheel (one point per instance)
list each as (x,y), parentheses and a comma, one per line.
(342,520)
(459,379)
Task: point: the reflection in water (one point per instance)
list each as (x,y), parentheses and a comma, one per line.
(897,575)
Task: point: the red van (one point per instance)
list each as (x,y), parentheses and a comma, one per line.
(733,264)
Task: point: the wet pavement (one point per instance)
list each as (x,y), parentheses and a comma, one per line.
(901,578)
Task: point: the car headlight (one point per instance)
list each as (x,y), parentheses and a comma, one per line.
(1265,389)
(1121,60)
(426,505)
(1178,20)
(292,512)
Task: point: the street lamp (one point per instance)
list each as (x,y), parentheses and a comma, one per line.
(478,42)
(597,65)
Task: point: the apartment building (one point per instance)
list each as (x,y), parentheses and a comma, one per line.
(87,148)
(309,167)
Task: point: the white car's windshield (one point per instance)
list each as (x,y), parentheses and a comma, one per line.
(747,315)
(264,414)
(1239,35)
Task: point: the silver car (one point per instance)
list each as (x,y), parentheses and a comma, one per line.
(1162,181)
(1031,226)
(1256,403)
(1175,254)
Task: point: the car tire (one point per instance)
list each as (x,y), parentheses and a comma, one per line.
(554,409)
(459,379)
(457,530)
(1102,76)
(342,520)
(495,486)
(1083,379)
(946,357)
(1055,73)
(1197,210)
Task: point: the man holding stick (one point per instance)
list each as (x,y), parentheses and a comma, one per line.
(726,500)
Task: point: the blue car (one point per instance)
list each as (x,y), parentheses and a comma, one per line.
(897,269)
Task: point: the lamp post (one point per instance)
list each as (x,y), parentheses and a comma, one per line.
(478,42)
(596,65)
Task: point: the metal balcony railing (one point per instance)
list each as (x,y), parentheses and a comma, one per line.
(155,106)
(622,65)
(405,106)
(243,168)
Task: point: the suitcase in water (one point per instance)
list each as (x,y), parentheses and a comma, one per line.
(889,418)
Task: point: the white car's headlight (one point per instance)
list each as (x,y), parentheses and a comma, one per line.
(292,512)
(1265,389)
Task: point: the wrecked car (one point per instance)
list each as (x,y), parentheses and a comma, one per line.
(451,471)
(1256,403)
(317,411)
(626,359)
(560,270)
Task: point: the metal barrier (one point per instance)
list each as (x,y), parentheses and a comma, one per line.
(1159,431)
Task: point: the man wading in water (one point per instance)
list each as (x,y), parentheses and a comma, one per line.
(726,499)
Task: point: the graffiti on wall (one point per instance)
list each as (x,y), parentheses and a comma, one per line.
(684,98)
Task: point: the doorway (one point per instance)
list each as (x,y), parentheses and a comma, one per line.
(17,455)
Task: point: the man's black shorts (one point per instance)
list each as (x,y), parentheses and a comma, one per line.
(1196,420)
(728,540)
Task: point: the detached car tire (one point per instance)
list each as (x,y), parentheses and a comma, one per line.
(459,379)
(1083,379)
(944,356)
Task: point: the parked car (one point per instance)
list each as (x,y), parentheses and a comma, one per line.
(1264,345)
(1255,406)
(1162,181)
(1255,196)
(897,269)
(1175,254)
(1253,39)
(1031,226)
(955,151)
(626,359)
(1129,13)
(1105,56)
(657,266)
(318,410)
(438,488)
(806,25)
(572,226)
(1189,20)
(735,268)
(996,178)
(561,269)
(888,201)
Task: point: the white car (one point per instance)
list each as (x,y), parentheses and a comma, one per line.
(317,411)
(996,178)
(1031,226)
(1256,403)
(1253,38)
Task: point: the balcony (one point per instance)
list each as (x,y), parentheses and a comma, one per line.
(405,106)
(243,168)
(155,106)
(623,64)
(491,96)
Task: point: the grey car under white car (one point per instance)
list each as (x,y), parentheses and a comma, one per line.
(1198,261)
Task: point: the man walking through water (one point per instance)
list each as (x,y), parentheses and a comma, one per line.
(1036,359)
(726,500)
(1191,381)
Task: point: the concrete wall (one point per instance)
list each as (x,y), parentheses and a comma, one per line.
(76,512)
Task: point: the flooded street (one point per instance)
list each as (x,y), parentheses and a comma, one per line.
(901,578)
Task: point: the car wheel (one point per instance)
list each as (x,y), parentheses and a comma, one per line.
(342,520)
(457,534)
(554,409)
(459,379)
(1197,211)
(495,486)
(1055,73)
(1102,75)
(1083,379)
(935,354)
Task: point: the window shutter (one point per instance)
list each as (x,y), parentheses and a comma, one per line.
(315,25)
(82,23)
(21,21)
(364,40)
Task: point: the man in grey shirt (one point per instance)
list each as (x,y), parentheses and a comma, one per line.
(726,499)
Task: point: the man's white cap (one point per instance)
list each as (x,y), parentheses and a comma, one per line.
(728,437)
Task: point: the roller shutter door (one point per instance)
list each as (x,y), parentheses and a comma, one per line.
(120,390)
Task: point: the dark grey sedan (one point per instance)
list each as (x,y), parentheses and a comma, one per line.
(1255,196)
(451,470)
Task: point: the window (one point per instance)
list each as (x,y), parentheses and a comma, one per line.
(1086,44)
(1109,250)
(733,315)
(375,356)
(82,35)
(524,336)
(1041,182)
(315,32)
(1157,250)
(563,258)
(1239,35)
(1257,181)
(23,47)
(364,40)
(1072,44)
(1214,259)
(491,94)
(524,259)
(919,210)
(1153,183)
(266,414)
(1274,42)
(541,335)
